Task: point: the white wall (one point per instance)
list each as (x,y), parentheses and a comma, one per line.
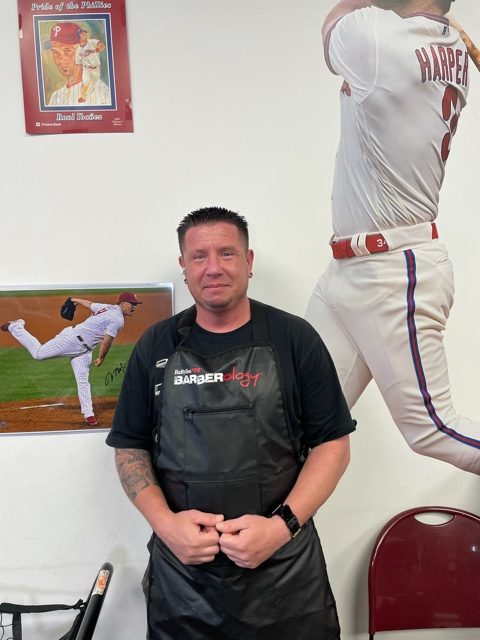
(232,106)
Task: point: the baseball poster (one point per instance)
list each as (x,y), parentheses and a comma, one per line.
(62,365)
(75,69)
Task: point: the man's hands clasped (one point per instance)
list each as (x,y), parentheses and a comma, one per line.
(196,537)
(250,540)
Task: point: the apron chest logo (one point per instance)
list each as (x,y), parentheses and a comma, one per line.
(194,376)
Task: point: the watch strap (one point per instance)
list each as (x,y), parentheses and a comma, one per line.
(290,519)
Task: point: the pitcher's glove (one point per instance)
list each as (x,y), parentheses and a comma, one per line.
(67,310)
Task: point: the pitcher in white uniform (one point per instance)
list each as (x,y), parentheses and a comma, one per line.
(88,56)
(77,342)
(383,302)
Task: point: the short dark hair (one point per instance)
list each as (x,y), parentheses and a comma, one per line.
(210,215)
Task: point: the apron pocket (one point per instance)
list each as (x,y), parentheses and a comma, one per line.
(220,445)
(232,499)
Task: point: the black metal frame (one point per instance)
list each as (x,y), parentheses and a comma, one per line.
(83,626)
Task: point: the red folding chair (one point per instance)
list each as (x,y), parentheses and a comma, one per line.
(425,576)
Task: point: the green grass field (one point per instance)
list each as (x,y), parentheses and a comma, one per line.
(23,378)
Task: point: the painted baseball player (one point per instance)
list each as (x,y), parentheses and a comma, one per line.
(78,342)
(63,43)
(383,302)
(88,55)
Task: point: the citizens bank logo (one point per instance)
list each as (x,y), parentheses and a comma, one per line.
(197,376)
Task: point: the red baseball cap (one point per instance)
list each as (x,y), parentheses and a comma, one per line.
(129,297)
(64,32)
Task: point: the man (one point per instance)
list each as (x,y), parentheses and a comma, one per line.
(78,342)
(248,422)
(88,55)
(64,42)
(384,300)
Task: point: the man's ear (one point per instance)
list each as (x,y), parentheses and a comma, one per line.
(250,256)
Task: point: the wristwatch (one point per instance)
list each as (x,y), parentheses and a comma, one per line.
(290,519)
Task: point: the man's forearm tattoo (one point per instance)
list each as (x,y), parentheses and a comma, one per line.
(135,471)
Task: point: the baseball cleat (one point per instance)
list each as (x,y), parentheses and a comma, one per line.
(5,326)
(91,421)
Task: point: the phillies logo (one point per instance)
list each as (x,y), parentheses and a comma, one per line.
(56,30)
(86,52)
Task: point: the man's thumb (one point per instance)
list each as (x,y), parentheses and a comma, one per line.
(209,519)
(229,526)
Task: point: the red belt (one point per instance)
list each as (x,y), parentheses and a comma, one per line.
(374,242)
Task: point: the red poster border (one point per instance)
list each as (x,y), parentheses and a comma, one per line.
(41,117)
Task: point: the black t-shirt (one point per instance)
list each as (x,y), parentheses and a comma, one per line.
(315,404)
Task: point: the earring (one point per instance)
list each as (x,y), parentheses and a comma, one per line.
(250,274)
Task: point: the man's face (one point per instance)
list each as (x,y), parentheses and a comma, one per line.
(64,56)
(217,263)
(128,309)
(83,38)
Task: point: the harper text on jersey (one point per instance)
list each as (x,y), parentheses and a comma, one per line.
(443,63)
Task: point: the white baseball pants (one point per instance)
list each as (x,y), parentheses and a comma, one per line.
(65,344)
(382,316)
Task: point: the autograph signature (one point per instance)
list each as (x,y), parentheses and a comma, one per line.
(117,371)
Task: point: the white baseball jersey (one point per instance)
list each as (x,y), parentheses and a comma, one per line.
(69,94)
(87,56)
(105,319)
(393,147)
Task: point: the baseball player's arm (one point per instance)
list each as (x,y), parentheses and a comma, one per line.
(100,47)
(339,10)
(84,303)
(104,348)
(191,535)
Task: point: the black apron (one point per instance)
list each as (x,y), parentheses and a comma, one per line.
(224,445)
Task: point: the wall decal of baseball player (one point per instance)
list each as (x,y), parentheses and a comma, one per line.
(63,43)
(77,342)
(88,55)
(383,302)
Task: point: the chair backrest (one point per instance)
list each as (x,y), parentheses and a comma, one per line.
(425,576)
(83,626)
